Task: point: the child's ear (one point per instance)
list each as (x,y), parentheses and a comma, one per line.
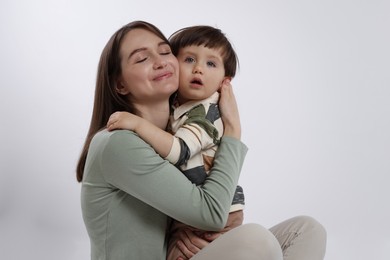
(226,78)
(120,87)
(224,81)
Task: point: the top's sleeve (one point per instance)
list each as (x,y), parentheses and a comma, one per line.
(199,132)
(179,153)
(238,202)
(134,167)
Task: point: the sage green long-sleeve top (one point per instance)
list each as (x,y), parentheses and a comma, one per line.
(129,193)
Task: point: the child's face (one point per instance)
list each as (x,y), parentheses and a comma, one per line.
(201,72)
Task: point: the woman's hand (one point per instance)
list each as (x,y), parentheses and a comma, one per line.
(191,241)
(229,111)
(187,243)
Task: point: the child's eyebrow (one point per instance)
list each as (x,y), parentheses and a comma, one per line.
(188,53)
(215,57)
(219,57)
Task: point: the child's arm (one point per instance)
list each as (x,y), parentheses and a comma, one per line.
(159,139)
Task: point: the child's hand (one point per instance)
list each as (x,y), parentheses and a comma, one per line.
(122,120)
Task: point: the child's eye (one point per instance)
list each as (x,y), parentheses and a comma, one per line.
(211,64)
(189,59)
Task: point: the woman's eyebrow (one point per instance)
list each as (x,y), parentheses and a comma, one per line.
(144,49)
(136,51)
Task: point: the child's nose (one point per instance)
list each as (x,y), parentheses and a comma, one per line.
(197,69)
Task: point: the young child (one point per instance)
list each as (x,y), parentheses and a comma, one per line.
(206,61)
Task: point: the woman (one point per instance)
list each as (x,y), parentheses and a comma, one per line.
(129,193)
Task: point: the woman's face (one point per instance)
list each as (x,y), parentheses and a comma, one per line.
(150,72)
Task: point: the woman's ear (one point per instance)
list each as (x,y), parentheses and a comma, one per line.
(121,88)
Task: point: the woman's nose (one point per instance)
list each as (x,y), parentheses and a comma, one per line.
(159,63)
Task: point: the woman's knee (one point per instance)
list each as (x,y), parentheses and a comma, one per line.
(256,232)
(260,240)
(302,237)
(312,225)
(313,232)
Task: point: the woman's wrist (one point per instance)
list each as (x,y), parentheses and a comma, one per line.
(233,131)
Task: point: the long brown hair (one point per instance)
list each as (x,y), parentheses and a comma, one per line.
(107,99)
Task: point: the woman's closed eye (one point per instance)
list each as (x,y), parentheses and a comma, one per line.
(141,59)
(166,52)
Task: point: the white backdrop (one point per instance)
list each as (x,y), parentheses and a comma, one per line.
(314,96)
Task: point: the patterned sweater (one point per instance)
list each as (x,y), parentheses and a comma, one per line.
(197,127)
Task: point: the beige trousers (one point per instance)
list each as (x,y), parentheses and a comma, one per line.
(299,238)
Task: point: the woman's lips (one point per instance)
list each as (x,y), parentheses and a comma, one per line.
(162,76)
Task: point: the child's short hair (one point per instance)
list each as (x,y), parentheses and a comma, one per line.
(210,37)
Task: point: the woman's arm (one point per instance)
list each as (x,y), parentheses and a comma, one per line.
(131,165)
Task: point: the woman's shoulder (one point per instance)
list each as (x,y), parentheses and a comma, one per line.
(117,144)
(116,135)
(105,134)
(106,138)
